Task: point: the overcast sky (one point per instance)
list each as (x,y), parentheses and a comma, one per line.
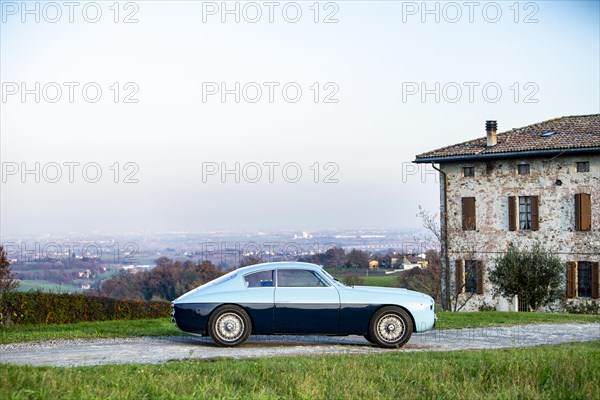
(347,101)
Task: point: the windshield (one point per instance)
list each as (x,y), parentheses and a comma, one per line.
(332,278)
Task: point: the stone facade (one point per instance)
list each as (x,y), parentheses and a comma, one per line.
(554,179)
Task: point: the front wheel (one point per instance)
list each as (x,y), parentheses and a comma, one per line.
(229,326)
(390,327)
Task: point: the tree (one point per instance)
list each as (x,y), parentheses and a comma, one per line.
(536,276)
(419,279)
(7,279)
(358,259)
(440,273)
(334,257)
(250,260)
(168,280)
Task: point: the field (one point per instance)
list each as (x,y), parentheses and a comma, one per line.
(380,280)
(567,371)
(164,326)
(26,285)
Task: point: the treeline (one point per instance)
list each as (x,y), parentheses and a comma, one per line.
(167,281)
(336,257)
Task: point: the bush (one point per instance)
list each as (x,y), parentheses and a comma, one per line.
(36,307)
(535,275)
(353,280)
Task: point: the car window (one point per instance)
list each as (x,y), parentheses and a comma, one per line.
(298,278)
(259,279)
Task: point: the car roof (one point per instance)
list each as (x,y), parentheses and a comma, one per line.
(277,264)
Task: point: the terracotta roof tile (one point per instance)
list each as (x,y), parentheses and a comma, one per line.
(574,132)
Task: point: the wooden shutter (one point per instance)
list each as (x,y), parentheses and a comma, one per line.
(535,213)
(479,282)
(594,280)
(512,213)
(571,273)
(459,273)
(583,212)
(468,214)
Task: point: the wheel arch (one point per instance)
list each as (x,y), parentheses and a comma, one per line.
(412,319)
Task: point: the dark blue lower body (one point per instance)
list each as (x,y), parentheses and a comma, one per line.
(349,319)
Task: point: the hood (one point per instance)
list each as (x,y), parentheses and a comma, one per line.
(377,289)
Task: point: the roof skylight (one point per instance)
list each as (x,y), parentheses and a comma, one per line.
(546,134)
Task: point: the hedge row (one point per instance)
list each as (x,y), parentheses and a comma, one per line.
(32,307)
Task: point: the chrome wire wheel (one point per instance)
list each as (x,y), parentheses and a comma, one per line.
(391,328)
(230,327)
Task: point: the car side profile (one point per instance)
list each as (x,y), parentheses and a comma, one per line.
(294,298)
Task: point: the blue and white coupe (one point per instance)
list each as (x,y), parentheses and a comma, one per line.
(294,298)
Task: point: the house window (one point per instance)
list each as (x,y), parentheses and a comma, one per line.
(468,171)
(582,279)
(523,213)
(523,169)
(469,222)
(583,212)
(469,276)
(583,166)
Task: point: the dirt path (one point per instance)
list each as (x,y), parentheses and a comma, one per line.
(162,349)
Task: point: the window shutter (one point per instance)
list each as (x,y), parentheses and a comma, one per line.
(535,213)
(571,271)
(459,273)
(594,280)
(468,214)
(479,269)
(583,212)
(512,213)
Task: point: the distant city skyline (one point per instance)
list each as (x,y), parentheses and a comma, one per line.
(164,117)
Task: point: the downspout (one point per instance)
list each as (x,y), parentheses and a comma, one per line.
(444,244)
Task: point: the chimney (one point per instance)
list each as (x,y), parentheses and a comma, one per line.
(490,128)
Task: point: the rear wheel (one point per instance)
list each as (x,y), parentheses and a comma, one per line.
(229,326)
(390,327)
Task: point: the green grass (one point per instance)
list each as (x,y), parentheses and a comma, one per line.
(164,327)
(449,320)
(384,280)
(27,285)
(86,330)
(567,371)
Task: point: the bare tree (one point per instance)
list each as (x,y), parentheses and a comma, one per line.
(434,261)
(458,301)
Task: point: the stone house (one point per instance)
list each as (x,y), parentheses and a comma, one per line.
(539,183)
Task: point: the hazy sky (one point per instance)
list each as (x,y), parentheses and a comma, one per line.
(360,97)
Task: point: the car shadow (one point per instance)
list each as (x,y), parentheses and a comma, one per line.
(280,341)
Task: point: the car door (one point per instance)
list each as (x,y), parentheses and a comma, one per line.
(305,303)
(258,300)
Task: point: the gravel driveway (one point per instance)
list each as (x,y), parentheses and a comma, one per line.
(161,349)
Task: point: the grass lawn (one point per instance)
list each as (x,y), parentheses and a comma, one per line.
(102,329)
(568,371)
(450,320)
(164,327)
(380,280)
